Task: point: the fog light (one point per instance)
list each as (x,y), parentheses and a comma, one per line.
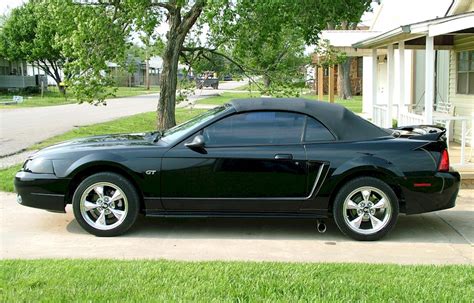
(19,199)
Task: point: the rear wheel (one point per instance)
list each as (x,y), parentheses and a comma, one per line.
(106,204)
(366,209)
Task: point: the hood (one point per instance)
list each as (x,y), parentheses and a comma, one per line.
(104,142)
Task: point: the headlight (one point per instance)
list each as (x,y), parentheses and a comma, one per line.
(39,166)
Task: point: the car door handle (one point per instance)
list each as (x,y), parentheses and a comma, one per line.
(283,156)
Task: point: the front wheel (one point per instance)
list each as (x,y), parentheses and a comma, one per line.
(366,209)
(106,204)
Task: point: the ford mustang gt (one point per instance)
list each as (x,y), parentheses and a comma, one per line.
(280,158)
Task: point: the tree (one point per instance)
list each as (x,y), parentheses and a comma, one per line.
(277,55)
(62,37)
(30,33)
(223,18)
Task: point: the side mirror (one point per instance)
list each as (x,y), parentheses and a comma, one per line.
(197,144)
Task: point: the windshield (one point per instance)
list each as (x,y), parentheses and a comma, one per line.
(179,130)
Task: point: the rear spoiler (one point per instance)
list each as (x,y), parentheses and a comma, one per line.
(421,132)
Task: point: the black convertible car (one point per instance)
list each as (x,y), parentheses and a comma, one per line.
(285,158)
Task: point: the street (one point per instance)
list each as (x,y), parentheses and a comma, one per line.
(444,237)
(23,127)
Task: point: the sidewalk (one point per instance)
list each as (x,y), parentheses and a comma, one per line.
(444,237)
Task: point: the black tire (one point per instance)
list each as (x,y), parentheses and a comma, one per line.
(128,190)
(349,188)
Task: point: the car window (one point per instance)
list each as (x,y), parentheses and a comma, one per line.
(315,131)
(176,132)
(256,128)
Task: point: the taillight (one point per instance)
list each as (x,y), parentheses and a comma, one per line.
(444,162)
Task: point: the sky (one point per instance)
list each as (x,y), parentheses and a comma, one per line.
(7,5)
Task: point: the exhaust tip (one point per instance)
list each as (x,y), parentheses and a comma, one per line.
(321,227)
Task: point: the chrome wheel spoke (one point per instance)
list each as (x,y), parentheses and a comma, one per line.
(116,196)
(380,204)
(375,222)
(352,205)
(101,219)
(99,190)
(366,195)
(357,221)
(90,205)
(117,213)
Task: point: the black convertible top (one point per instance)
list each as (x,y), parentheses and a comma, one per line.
(339,120)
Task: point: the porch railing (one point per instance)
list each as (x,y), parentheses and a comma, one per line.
(380,115)
(405,119)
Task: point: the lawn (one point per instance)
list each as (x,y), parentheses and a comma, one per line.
(173,281)
(53,97)
(137,123)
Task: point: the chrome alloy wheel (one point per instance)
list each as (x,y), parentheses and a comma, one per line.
(367,210)
(104,205)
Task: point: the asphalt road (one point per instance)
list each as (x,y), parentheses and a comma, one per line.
(22,127)
(444,237)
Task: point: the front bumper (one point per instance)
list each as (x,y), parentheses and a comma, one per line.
(45,191)
(440,195)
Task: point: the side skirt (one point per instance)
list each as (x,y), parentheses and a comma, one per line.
(198,214)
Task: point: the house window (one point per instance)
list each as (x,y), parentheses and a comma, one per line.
(465,70)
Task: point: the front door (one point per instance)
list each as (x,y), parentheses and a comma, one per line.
(251,162)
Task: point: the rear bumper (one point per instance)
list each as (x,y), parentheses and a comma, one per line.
(440,195)
(44,191)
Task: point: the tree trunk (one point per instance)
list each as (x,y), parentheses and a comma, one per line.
(345,77)
(147,72)
(61,88)
(177,32)
(168,82)
(267,82)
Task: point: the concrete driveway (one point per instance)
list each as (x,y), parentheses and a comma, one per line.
(444,237)
(22,127)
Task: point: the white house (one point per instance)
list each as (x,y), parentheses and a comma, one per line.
(418,65)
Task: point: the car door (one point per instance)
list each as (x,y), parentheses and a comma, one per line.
(250,162)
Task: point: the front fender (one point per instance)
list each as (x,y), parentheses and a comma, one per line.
(69,170)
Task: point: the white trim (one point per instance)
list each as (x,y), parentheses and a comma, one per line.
(451,26)
(390,84)
(429,80)
(401,77)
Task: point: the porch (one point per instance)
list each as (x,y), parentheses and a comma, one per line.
(397,101)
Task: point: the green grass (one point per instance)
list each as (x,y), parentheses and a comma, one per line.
(172,281)
(137,123)
(354,104)
(226,97)
(53,97)
(6,177)
(250,86)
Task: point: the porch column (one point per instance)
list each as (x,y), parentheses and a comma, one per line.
(320,83)
(374,80)
(429,80)
(390,84)
(401,79)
